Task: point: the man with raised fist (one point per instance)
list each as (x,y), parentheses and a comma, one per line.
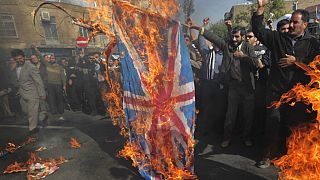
(297,45)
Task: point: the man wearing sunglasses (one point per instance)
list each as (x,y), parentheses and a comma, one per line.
(261,76)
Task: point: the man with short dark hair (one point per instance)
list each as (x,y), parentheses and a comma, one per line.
(209,84)
(286,49)
(89,84)
(56,83)
(283,26)
(31,88)
(261,76)
(42,103)
(238,65)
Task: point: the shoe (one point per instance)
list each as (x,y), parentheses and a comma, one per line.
(248,143)
(225,143)
(33,131)
(61,118)
(44,122)
(264,163)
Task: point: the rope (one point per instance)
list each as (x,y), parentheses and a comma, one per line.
(52,4)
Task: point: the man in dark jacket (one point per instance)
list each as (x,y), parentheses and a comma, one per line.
(286,49)
(238,65)
(86,75)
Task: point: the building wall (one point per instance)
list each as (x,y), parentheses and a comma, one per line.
(302,4)
(27,34)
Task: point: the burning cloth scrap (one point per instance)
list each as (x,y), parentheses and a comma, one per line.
(159,101)
(36,167)
(11,148)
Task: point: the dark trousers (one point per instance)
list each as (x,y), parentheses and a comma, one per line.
(55,98)
(74,95)
(278,124)
(260,110)
(14,102)
(90,90)
(240,97)
(211,106)
(197,94)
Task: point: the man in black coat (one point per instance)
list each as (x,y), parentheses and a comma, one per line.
(286,48)
(237,67)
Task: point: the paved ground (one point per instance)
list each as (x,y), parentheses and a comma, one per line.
(97,157)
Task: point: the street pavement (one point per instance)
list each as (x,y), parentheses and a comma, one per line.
(100,142)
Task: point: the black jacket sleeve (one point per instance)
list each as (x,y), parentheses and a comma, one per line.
(216,40)
(264,35)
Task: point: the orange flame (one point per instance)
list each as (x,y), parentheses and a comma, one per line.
(33,158)
(74,143)
(303,157)
(45,167)
(40,149)
(144,33)
(132,152)
(12,147)
(15,167)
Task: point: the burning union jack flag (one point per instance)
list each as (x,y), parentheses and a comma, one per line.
(159,96)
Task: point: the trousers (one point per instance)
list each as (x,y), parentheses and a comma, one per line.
(240,97)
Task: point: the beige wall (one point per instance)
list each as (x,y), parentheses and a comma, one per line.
(22,9)
(302,4)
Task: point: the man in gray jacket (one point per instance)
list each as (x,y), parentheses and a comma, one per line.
(31,89)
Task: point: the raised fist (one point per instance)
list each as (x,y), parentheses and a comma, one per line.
(262,3)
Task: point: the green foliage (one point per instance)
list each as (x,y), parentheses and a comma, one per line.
(242,18)
(188,7)
(276,7)
(219,29)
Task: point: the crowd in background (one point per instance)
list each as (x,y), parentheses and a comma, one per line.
(40,85)
(236,78)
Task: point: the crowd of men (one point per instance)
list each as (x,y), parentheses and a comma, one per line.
(39,85)
(241,74)
(247,71)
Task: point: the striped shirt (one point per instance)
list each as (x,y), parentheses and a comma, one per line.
(209,65)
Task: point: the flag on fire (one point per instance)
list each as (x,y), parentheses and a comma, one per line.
(159,96)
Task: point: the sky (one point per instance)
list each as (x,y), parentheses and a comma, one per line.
(214,9)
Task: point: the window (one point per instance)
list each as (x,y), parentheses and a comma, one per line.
(7,26)
(294,6)
(84,33)
(50,29)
